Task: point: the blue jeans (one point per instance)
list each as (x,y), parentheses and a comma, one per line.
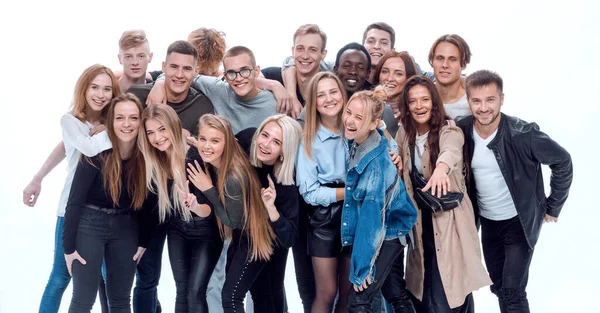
(147,276)
(59,277)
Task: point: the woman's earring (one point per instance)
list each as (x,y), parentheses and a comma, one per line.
(281,158)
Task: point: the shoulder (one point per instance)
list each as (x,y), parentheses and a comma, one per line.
(450,128)
(69,118)
(273,73)
(141,91)
(518,125)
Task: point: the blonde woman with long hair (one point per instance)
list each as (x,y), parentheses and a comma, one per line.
(193,238)
(231,186)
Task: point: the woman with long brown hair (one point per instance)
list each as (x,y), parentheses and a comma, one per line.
(104,220)
(444,264)
(231,186)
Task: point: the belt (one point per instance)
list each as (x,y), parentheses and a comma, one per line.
(106,210)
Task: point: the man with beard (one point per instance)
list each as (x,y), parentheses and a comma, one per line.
(505,155)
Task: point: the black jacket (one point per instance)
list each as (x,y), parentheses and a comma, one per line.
(520,149)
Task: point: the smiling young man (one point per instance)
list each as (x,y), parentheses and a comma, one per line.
(134,55)
(180,68)
(449,56)
(505,155)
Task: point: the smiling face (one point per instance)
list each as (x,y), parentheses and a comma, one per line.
(353,70)
(356,127)
(446,63)
(419,106)
(269,144)
(485,103)
(99,92)
(243,87)
(180,70)
(393,78)
(211,143)
(308,52)
(329,98)
(126,121)
(135,61)
(377,42)
(158,136)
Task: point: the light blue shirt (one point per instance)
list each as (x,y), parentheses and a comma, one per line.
(328,165)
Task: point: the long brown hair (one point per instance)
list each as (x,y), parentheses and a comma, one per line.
(79,105)
(135,182)
(235,164)
(170,164)
(312,120)
(438,116)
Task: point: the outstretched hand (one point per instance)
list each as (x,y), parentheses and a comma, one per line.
(439,182)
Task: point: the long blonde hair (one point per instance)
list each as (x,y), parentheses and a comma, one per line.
(313,118)
(134,183)
(291,133)
(235,165)
(80,105)
(164,165)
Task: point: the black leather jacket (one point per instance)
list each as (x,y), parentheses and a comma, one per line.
(520,149)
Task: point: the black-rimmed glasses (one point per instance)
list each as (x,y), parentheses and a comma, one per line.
(232,75)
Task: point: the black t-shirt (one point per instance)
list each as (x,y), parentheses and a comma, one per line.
(189,110)
(274,73)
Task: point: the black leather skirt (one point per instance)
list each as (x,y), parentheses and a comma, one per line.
(324,234)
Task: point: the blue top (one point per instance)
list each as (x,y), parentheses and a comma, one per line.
(376,208)
(327,165)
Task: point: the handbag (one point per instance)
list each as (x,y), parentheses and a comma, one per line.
(425,199)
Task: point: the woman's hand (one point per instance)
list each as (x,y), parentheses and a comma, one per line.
(364,285)
(200,178)
(268,197)
(32,192)
(72,257)
(439,181)
(396,159)
(97,129)
(157,94)
(190,202)
(138,254)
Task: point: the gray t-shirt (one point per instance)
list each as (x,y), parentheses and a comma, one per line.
(458,109)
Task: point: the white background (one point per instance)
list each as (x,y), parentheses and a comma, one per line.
(547,53)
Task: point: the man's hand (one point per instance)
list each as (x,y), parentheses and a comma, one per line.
(550,218)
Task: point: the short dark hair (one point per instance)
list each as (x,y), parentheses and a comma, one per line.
(353,46)
(183,47)
(237,50)
(459,42)
(483,78)
(381,26)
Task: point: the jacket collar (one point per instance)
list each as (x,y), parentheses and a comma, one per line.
(365,160)
(500,133)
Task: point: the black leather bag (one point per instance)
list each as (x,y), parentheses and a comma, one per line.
(424,199)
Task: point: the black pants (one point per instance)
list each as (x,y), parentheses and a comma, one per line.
(434,296)
(507,258)
(305,277)
(267,291)
(145,292)
(389,278)
(194,249)
(241,274)
(114,239)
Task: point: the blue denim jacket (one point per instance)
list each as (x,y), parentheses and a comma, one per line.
(376,208)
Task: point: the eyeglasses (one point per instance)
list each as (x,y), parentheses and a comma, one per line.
(232,75)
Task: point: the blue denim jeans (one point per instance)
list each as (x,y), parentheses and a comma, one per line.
(147,276)
(59,277)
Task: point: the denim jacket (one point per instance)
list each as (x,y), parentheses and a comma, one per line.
(376,208)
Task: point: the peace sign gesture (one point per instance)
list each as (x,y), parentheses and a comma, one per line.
(200,178)
(190,202)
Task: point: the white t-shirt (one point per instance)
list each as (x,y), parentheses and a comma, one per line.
(458,109)
(493,197)
(77,141)
(419,148)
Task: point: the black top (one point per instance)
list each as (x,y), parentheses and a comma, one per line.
(88,188)
(274,73)
(287,204)
(189,110)
(155,74)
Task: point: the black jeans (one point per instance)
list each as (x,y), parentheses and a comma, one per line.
(194,249)
(114,239)
(305,277)
(507,258)
(145,294)
(389,278)
(267,291)
(241,274)
(434,296)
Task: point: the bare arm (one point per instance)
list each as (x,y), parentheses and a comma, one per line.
(33,189)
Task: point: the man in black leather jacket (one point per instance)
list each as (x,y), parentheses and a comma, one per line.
(505,183)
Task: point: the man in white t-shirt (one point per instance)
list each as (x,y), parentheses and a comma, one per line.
(506,187)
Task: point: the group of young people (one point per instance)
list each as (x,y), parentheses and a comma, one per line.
(234,167)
